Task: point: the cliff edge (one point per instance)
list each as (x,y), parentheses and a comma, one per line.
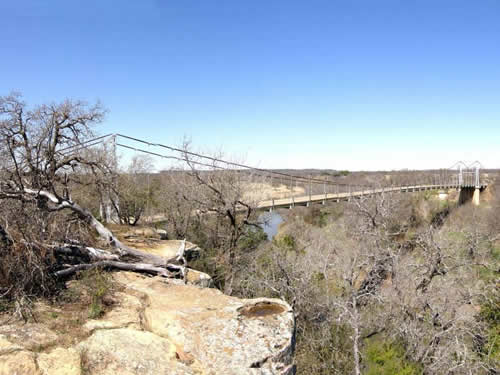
(160,326)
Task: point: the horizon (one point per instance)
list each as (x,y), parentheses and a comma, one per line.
(335,85)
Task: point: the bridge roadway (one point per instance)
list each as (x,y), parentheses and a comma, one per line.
(306,200)
(270,204)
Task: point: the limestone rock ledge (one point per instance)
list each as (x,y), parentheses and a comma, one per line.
(162,326)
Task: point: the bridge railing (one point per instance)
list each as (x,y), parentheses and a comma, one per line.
(328,184)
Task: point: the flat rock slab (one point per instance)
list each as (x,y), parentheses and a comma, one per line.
(18,363)
(165,248)
(128,351)
(222,334)
(30,336)
(161,326)
(60,361)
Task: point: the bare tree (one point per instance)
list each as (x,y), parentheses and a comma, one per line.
(42,159)
(174,205)
(133,190)
(385,276)
(332,275)
(217,192)
(434,302)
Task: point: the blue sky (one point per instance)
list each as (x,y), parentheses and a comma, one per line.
(359,84)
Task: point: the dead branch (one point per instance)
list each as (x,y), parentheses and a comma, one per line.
(168,271)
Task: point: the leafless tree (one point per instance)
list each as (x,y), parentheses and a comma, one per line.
(133,190)
(42,160)
(434,302)
(386,274)
(333,278)
(174,204)
(216,191)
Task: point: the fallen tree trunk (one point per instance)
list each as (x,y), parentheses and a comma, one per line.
(111,264)
(108,236)
(75,257)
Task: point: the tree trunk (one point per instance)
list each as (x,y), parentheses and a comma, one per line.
(355,339)
(76,258)
(84,256)
(109,237)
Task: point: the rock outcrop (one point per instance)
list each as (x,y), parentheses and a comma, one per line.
(161,326)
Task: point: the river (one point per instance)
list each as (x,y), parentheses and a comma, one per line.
(271,222)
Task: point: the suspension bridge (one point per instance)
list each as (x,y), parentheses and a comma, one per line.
(464,177)
(270,204)
(467,180)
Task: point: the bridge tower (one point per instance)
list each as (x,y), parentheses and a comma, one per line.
(477,187)
(468,181)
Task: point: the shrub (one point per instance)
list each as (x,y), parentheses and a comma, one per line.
(97,285)
(382,358)
(25,273)
(490,314)
(252,238)
(285,242)
(316,217)
(324,350)
(342,173)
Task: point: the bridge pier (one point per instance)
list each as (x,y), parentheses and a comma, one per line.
(475,196)
(469,193)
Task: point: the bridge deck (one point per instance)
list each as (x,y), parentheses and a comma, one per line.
(305,200)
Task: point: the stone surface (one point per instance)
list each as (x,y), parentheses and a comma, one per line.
(7,347)
(18,363)
(60,361)
(160,326)
(199,278)
(224,334)
(31,336)
(127,313)
(128,351)
(165,248)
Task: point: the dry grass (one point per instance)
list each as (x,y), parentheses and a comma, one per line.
(87,297)
(257,192)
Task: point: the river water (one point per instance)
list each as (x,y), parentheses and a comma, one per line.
(271,222)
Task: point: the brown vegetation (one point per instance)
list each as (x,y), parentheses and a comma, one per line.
(386,274)
(394,284)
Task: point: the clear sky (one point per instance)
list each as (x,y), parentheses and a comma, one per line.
(354,84)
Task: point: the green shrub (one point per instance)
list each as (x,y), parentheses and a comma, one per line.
(97,285)
(6,305)
(495,253)
(285,242)
(210,263)
(324,350)
(382,358)
(490,314)
(252,238)
(316,217)
(341,173)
